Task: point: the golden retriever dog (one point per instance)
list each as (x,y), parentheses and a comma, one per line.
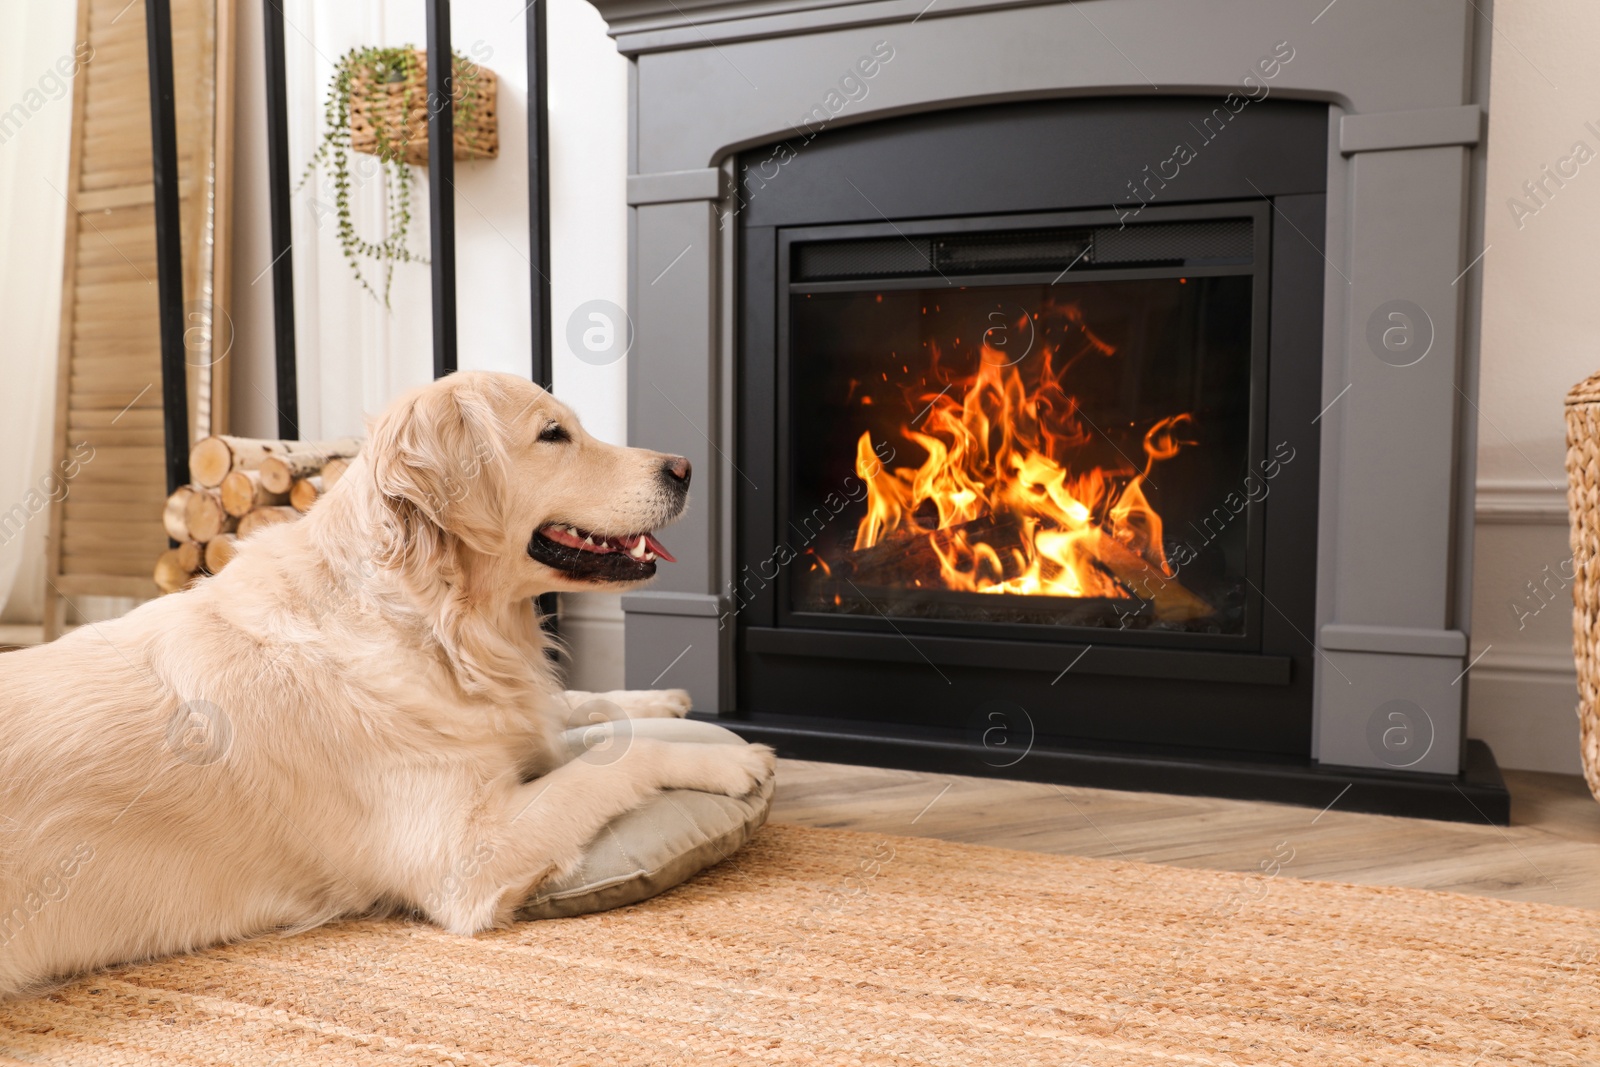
(357,717)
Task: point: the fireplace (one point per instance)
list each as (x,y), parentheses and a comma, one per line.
(1054,368)
(1040,456)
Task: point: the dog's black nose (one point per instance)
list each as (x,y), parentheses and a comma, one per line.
(677,468)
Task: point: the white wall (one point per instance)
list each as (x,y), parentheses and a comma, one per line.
(1541,321)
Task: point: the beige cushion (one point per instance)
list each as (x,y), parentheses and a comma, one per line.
(669,838)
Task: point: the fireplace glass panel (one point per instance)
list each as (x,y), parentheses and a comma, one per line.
(1059,454)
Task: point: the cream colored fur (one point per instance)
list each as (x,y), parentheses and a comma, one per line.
(342,722)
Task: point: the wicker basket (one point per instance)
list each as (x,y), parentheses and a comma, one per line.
(1583,504)
(403,112)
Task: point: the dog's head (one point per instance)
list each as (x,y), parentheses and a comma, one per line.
(496,464)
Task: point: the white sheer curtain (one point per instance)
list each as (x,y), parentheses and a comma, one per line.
(35,130)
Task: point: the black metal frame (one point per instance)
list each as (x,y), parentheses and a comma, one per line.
(280,207)
(442,186)
(169,238)
(539,192)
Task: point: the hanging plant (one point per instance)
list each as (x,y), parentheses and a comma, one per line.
(377,104)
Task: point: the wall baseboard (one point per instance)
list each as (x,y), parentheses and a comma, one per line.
(1554,665)
(21,635)
(1522,701)
(1521,503)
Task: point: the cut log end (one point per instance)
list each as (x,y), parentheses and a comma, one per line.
(205,516)
(276,477)
(170,575)
(261,518)
(279,473)
(306,491)
(174,516)
(190,555)
(243,491)
(332,471)
(210,460)
(220,551)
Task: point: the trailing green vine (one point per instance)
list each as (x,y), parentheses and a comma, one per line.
(370,71)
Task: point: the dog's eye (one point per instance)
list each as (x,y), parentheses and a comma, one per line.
(555,432)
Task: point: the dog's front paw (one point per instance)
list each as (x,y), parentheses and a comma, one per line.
(626,704)
(661,704)
(729,769)
(740,769)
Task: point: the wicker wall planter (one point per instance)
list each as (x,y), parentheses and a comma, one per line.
(1583,506)
(400,107)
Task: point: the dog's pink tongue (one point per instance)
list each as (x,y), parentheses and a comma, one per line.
(659,549)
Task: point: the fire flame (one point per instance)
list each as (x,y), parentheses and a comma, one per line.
(1012,508)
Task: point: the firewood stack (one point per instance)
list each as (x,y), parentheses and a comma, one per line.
(240,485)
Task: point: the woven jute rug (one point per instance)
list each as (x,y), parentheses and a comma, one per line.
(834,948)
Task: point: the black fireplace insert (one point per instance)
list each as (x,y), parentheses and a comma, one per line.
(1026,437)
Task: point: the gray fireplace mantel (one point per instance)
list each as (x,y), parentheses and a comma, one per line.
(1405,85)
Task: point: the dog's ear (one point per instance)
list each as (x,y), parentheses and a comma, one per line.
(438,462)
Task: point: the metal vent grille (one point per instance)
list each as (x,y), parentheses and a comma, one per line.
(1178,244)
(1226,240)
(886,257)
(1017,251)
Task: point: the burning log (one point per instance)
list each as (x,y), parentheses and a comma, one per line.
(903,559)
(1173,602)
(909,561)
